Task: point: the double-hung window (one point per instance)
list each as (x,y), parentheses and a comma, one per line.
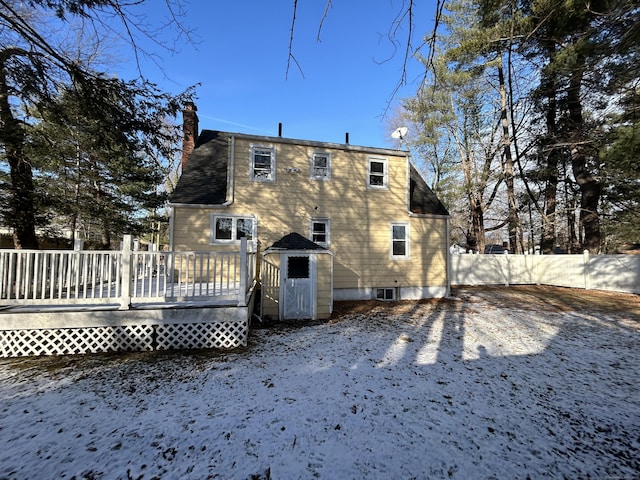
(230,229)
(263,164)
(399,241)
(378,174)
(319,231)
(321,166)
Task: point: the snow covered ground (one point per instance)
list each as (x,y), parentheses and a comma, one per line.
(475,388)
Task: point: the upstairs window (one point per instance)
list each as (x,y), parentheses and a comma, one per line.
(321,166)
(263,164)
(377,174)
(226,229)
(399,241)
(319,231)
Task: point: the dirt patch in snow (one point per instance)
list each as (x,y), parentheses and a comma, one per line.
(526,297)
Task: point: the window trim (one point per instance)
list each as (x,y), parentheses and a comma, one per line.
(407,241)
(234,240)
(313,176)
(252,158)
(385,291)
(327,224)
(385,173)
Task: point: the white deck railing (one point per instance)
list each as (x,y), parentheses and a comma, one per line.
(54,277)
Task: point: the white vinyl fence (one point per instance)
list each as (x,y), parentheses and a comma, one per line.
(599,272)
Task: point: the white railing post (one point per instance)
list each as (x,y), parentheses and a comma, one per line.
(76,261)
(126,256)
(244,273)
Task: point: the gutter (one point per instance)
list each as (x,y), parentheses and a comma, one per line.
(171,227)
(199,205)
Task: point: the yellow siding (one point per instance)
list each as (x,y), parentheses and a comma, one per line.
(191,229)
(324,294)
(359,217)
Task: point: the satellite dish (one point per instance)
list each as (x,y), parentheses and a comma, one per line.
(399,132)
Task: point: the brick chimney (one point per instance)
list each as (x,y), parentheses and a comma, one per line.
(189,131)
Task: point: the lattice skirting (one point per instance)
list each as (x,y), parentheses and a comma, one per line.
(201,335)
(129,338)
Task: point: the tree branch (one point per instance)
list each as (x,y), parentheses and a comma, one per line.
(324,16)
(291,56)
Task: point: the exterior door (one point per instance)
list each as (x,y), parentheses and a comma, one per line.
(297,287)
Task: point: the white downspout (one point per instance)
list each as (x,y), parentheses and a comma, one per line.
(172,214)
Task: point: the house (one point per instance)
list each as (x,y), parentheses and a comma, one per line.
(331,221)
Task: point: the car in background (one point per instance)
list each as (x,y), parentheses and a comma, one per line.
(494,249)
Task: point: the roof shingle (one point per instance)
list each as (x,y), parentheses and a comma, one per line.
(295,241)
(204,179)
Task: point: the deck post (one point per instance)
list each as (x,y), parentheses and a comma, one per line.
(126,256)
(244,273)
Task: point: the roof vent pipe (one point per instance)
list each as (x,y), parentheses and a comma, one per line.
(346,138)
(280,129)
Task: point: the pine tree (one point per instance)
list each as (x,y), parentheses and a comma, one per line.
(35,66)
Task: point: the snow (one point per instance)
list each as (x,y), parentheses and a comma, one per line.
(452,389)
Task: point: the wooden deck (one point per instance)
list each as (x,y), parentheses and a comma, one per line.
(80,329)
(56,303)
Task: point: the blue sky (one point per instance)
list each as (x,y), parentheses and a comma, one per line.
(240,60)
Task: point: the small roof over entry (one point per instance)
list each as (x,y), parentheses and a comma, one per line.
(295,241)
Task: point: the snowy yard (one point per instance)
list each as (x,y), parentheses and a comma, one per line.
(527,382)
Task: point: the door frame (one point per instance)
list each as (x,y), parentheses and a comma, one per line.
(313,280)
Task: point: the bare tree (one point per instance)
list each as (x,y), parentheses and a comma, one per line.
(34,64)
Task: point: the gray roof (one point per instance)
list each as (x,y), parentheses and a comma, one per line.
(204,179)
(422,200)
(295,241)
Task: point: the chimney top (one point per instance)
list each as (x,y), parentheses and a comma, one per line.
(189,130)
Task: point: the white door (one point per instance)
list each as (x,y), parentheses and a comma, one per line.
(297,287)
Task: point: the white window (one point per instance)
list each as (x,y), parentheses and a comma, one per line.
(263,164)
(230,229)
(385,293)
(319,231)
(377,173)
(399,241)
(321,166)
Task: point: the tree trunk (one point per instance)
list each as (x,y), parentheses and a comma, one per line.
(512,217)
(105,224)
(590,188)
(475,238)
(550,149)
(22,216)
(550,192)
